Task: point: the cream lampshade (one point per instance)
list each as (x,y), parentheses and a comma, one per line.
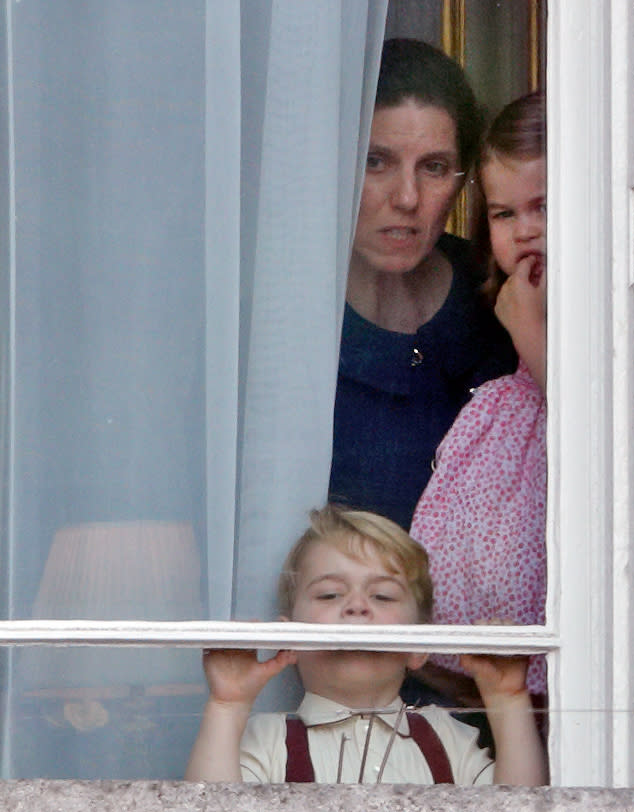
(141,570)
(136,570)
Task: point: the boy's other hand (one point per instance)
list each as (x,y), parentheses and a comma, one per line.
(497,677)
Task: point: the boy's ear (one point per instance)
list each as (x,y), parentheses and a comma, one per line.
(416,661)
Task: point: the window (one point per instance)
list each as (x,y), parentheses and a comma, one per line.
(590,373)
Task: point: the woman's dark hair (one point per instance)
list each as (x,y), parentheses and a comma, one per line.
(518,132)
(412,69)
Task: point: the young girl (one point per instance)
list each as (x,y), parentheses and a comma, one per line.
(482,516)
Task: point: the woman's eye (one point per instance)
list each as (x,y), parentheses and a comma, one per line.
(437,169)
(502,215)
(374,162)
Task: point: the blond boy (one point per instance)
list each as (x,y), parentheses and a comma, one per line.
(356,567)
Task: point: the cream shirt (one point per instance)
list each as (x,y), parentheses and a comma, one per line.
(263,747)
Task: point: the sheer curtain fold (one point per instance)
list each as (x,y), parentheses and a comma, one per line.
(219,433)
(186,178)
(315,69)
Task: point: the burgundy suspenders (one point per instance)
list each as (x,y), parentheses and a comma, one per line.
(431,747)
(299,767)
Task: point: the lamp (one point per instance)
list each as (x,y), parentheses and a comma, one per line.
(135,570)
(138,570)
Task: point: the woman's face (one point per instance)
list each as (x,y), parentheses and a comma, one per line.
(410,186)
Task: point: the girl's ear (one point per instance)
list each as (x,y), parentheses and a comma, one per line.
(416,661)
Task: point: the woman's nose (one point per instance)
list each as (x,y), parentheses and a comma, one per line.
(405,192)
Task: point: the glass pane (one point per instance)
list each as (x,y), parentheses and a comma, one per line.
(109,309)
(129,713)
(111,348)
(121,719)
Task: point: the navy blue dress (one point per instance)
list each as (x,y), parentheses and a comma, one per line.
(398,394)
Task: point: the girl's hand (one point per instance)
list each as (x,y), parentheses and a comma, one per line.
(521,308)
(236,676)
(522,298)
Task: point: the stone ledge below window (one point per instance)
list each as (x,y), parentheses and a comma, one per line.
(176,796)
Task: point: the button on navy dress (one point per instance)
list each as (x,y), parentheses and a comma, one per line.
(398,394)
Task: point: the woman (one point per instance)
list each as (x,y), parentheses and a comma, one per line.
(416,337)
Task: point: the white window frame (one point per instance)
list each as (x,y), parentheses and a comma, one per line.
(590,423)
(590,429)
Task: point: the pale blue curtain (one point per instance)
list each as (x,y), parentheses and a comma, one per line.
(179,185)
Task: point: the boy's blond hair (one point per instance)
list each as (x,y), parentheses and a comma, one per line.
(351,532)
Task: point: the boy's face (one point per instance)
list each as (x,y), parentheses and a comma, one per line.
(332,587)
(335,588)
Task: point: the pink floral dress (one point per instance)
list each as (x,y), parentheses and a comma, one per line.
(482,516)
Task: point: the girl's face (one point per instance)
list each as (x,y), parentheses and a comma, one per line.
(515,192)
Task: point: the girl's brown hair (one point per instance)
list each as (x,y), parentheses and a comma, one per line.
(518,132)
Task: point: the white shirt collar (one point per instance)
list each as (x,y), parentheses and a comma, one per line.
(317,710)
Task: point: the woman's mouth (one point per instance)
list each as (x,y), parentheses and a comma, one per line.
(400,233)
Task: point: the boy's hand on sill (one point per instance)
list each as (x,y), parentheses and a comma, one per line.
(235,676)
